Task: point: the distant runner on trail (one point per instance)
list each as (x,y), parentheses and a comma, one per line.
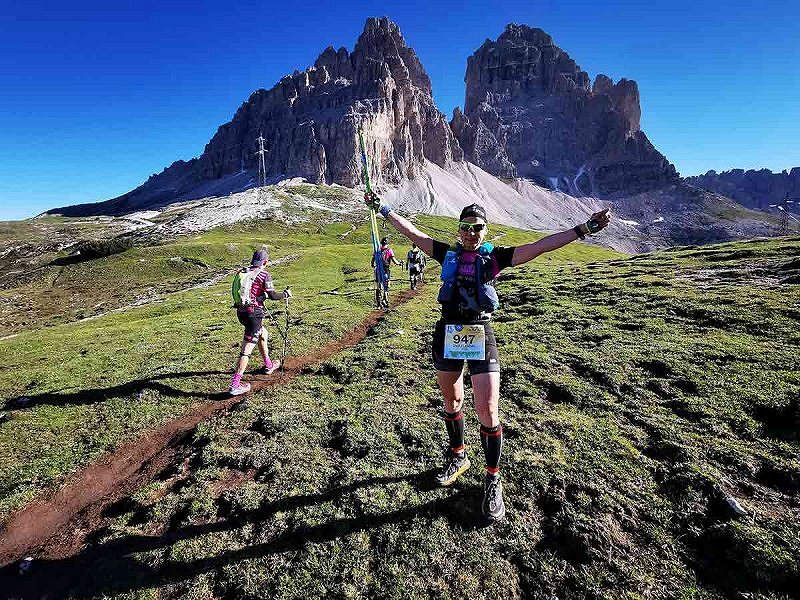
(464,332)
(388,258)
(416,265)
(251,287)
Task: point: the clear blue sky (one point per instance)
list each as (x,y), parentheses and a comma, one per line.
(96,96)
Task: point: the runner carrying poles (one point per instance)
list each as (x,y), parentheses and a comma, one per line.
(251,287)
(388,258)
(464,332)
(416,265)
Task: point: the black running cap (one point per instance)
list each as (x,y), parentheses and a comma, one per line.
(473,210)
(259,258)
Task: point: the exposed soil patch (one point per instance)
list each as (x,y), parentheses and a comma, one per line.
(57,524)
(231,480)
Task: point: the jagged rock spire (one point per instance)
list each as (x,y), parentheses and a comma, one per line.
(310,118)
(530,111)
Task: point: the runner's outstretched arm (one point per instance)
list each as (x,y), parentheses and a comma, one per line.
(404,226)
(526,252)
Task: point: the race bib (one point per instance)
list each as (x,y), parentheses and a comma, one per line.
(465,342)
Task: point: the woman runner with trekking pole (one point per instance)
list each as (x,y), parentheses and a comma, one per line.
(251,287)
(464,332)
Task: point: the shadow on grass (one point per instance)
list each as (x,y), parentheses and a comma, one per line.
(108,568)
(137,386)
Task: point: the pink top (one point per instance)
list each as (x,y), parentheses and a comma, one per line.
(261,285)
(466,266)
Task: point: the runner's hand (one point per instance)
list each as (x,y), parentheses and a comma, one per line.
(372,201)
(599,220)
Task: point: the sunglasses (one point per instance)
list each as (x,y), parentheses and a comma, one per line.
(476,227)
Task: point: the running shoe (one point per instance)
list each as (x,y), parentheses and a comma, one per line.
(265,371)
(452,469)
(238,390)
(493,507)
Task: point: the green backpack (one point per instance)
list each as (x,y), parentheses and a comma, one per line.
(242,284)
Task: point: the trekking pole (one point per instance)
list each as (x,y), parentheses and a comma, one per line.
(380,275)
(285,335)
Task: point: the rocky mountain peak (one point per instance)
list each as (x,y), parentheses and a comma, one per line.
(532,36)
(310,120)
(624,96)
(529,110)
(382,40)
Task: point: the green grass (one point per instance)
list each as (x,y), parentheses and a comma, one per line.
(62,293)
(637,394)
(95,383)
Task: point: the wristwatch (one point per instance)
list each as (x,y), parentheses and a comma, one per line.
(581,230)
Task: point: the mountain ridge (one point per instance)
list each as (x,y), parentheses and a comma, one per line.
(753,188)
(310,120)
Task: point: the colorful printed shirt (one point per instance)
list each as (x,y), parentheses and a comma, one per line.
(388,255)
(258,292)
(261,286)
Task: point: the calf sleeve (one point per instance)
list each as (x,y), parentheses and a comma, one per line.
(492,442)
(454,422)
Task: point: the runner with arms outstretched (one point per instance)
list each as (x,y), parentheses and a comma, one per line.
(464,332)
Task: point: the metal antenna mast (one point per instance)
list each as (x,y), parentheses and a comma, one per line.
(262,164)
(783,206)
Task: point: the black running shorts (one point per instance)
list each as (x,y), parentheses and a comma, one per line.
(251,317)
(490,364)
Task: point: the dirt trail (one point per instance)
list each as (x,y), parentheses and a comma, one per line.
(57,524)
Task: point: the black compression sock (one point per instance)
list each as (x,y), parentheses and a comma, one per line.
(492,442)
(454,422)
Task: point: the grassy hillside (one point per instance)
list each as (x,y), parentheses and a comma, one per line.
(93,384)
(638,395)
(61,290)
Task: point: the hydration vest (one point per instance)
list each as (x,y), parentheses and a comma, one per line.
(485,299)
